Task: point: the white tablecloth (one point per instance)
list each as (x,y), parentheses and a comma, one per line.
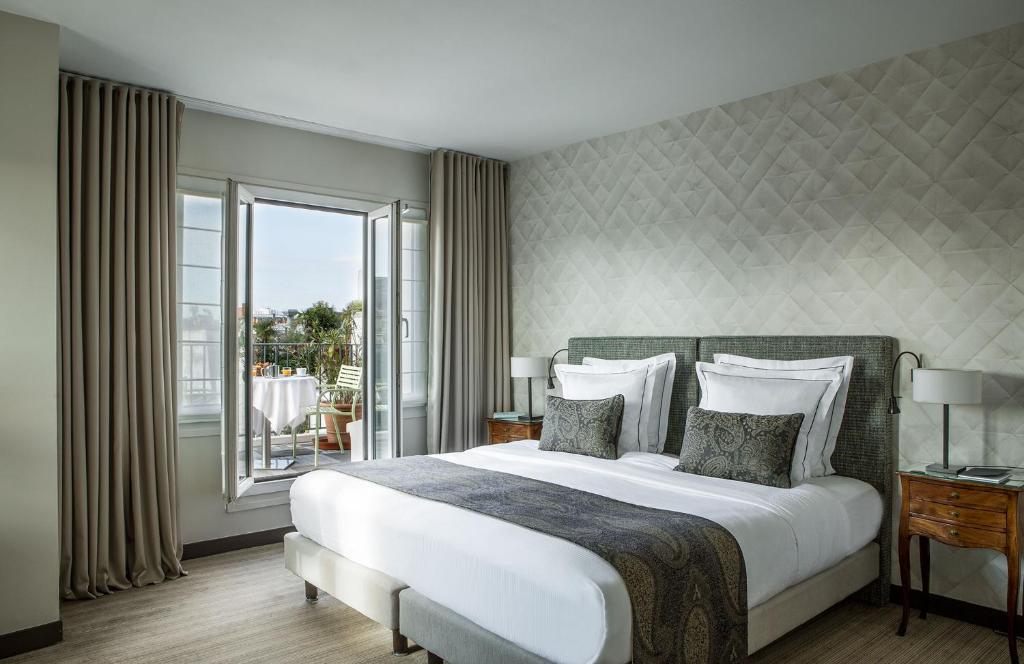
(283,401)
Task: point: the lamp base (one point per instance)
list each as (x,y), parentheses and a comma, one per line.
(942,469)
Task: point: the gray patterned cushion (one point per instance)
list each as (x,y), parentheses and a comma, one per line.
(589,427)
(738,446)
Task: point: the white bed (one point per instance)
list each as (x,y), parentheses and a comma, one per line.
(551,597)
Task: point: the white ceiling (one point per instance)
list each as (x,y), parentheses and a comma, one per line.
(502,78)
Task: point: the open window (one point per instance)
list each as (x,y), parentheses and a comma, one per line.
(313,335)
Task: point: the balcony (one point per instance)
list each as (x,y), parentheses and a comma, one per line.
(288,400)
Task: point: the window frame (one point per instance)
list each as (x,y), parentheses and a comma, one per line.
(196,424)
(414,213)
(248,494)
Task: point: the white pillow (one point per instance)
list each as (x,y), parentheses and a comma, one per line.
(580,382)
(763,392)
(844,362)
(657,396)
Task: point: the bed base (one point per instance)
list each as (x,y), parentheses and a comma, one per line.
(448,635)
(371,593)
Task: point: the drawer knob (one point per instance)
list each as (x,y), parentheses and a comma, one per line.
(953,532)
(955,514)
(953,495)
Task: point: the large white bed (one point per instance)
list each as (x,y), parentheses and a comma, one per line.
(551,597)
(475,589)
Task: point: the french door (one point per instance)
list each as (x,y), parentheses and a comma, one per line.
(237,419)
(249,442)
(382,318)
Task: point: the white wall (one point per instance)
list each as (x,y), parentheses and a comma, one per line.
(260,153)
(29,490)
(219,146)
(203,516)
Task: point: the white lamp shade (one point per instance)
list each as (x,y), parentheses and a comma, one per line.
(950,386)
(529,367)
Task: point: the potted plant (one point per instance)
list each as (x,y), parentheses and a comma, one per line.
(332,331)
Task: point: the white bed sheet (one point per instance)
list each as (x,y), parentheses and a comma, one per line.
(552,597)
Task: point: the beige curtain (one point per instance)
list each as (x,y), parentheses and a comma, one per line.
(116,202)
(469,330)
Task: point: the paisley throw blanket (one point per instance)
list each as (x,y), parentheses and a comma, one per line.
(685,575)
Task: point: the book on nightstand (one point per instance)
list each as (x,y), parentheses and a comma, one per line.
(984,474)
(511,415)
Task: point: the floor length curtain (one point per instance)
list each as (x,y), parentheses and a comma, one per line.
(469,330)
(116,203)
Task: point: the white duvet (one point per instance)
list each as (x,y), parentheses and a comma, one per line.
(554,598)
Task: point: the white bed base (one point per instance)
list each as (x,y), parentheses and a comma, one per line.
(376,595)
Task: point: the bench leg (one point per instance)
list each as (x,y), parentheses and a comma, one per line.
(433,659)
(312,593)
(399,643)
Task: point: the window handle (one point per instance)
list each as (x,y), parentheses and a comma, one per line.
(405,327)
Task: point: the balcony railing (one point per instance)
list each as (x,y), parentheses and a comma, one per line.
(305,354)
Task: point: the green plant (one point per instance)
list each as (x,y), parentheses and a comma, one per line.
(263,330)
(350,317)
(319,319)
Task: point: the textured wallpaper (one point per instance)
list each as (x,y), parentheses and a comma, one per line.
(883,200)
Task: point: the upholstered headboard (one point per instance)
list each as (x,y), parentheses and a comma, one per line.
(685,392)
(866,447)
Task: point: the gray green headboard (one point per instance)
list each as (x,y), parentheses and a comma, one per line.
(866,448)
(685,392)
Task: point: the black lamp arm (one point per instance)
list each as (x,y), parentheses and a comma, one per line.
(894,408)
(551,365)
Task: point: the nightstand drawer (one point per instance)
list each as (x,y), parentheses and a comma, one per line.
(506,433)
(958,495)
(958,514)
(958,535)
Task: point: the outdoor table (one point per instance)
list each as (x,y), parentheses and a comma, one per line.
(281,402)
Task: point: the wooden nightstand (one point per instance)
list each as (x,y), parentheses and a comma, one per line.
(962,513)
(506,431)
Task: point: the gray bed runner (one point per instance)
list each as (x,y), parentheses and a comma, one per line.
(685,575)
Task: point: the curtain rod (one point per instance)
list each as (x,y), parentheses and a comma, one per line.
(120,83)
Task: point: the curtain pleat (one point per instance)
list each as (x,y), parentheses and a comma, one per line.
(116,200)
(469,330)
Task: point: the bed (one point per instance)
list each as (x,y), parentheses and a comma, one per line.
(474,589)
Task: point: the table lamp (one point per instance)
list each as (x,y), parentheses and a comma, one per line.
(529,368)
(946,386)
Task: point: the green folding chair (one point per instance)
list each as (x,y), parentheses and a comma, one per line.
(350,380)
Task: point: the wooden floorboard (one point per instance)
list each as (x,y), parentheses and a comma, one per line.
(245,607)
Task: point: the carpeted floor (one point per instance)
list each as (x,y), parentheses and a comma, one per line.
(245,607)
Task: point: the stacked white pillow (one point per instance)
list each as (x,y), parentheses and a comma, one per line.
(657,394)
(821,466)
(741,389)
(588,383)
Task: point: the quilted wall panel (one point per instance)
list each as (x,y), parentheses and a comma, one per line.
(883,200)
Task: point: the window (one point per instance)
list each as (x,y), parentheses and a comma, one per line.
(414,307)
(200,229)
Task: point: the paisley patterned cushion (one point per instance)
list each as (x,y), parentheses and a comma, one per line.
(738,446)
(589,427)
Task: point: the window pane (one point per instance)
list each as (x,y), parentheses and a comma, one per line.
(414,306)
(199,397)
(203,212)
(199,309)
(199,247)
(199,323)
(200,285)
(199,361)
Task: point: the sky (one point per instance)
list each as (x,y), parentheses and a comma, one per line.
(301,256)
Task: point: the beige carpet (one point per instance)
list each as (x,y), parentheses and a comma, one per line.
(245,607)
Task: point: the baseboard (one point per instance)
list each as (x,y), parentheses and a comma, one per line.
(984,616)
(32,638)
(234,543)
